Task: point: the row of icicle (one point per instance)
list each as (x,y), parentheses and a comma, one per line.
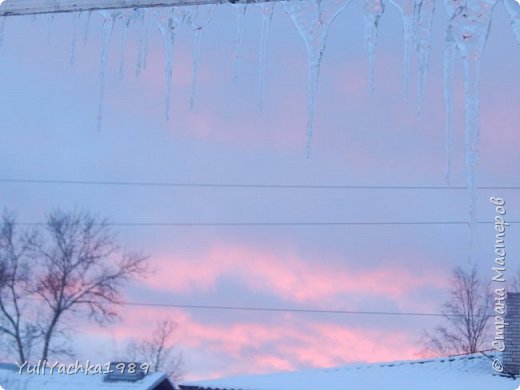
(469,23)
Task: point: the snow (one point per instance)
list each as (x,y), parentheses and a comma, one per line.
(457,373)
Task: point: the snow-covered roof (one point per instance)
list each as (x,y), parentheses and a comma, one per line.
(11,379)
(454,373)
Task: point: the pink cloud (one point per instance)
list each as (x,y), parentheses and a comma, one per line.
(252,347)
(286,275)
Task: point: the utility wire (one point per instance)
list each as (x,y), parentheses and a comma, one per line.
(287,310)
(242,185)
(217,224)
(277,309)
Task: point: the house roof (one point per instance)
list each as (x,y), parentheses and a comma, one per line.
(454,373)
(11,379)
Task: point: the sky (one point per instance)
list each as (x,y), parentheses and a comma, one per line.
(48,132)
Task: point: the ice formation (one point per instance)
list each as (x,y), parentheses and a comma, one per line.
(202,15)
(407,9)
(108,28)
(241,11)
(468,31)
(125,17)
(86,27)
(312,19)
(144,19)
(424,17)
(267,16)
(75,21)
(373,10)
(168,23)
(469,23)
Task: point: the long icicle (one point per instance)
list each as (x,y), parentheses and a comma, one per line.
(125,23)
(312,18)
(267,16)
(86,27)
(407,8)
(472,108)
(108,28)
(449,57)
(140,41)
(373,10)
(469,26)
(241,11)
(75,16)
(168,26)
(202,16)
(426,9)
(146,47)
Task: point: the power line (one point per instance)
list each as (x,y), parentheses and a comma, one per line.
(242,185)
(281,224)
(285,309)
(277,309)
(274,224)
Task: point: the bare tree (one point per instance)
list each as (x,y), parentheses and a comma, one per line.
(158,351)
(465,316)
(15,288)
(76,270)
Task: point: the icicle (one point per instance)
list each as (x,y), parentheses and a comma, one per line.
(267,16)
(3,19)
(108,28)
(202,16)
(50,19)
(125,23)
(241,11)
(449,56)
(140,40)
(85,29)
(312,18)
(168,35)
(373,10)
(407,9)
(146,46)
(425,12)
(469,28)
(513,8)
(145,23)
(75,16)
(168,26)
